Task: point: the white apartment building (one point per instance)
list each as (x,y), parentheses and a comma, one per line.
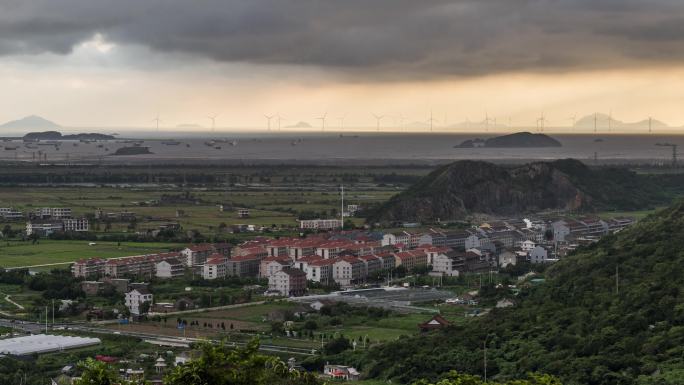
(170,268)
(136,297)
(53,212)
(76,224)
(320,224)
(214,268)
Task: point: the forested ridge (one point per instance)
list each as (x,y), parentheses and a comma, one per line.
(612,313)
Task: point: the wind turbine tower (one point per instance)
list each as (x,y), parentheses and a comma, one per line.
(431,121)
(541,122)
(378,118)
(322,119)
(157,120)
(610,121)
(213,121)
(595,120)
(280,119)
(268,121)
(650,123)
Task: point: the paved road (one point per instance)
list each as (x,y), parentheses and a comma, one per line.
(36,328)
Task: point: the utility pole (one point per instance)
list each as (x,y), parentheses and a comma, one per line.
(46,319)
(485,358)
(342,207)
(617,279)
(53,313)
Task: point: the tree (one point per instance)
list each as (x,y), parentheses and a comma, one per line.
(455,378)
(223,365)
(99,373)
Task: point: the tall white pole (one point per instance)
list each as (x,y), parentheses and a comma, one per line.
(342,208)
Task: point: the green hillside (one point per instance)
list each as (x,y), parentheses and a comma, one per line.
(579,325)
(462,188)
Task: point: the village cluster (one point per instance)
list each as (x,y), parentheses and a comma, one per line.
(347,259)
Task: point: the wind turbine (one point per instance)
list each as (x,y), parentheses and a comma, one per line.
(157,120)
(431,121)
(341,119)
(574,120)
(610,121)
(402,119)
(650,124)
(280,119)
(486,121)
(213,121)
(378,118)
(541,121)
(268,120)
(595,120)
(322,119)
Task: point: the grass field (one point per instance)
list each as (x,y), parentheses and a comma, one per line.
(20,253)
(268,206)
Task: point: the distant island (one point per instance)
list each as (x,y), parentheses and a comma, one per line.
(56,135)
(31,122)
(300,125)
(132,151)
(517,140)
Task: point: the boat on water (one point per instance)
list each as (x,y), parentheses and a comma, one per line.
(171,142)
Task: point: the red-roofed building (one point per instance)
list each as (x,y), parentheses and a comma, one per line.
(92,267)
(288,282)
(348,271)
(215,267)
(196,255)
(320,271)
(244,265)
(372,263)
(411,259)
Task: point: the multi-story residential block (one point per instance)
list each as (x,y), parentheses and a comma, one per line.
(288,282)
(320,271)
(76,224)
(9,214)
(348,271)
(215,267)
(411,259)
(88,268)
(170,268)
(136,297)
(53,213)
(196,255)
(44,228)
(243,265)
(320,224)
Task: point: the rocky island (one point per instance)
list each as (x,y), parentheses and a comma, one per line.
(517,140)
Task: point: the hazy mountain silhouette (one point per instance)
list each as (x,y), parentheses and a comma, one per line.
(32,122)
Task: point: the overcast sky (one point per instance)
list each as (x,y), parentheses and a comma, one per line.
(120,62)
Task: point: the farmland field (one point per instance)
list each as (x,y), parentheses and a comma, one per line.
(25,253)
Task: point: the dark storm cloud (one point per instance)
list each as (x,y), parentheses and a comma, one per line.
(379,38)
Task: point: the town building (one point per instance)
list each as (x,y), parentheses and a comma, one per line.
(170,268)
(320,224)
(88,268)
(136,297)
(243,265)
(288,282)
(348,271)
(215,267)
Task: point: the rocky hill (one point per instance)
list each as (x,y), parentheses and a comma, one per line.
(516,140)
(463,188)
(611,313)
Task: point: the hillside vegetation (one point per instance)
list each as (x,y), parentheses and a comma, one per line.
(582,324)
(464,188)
